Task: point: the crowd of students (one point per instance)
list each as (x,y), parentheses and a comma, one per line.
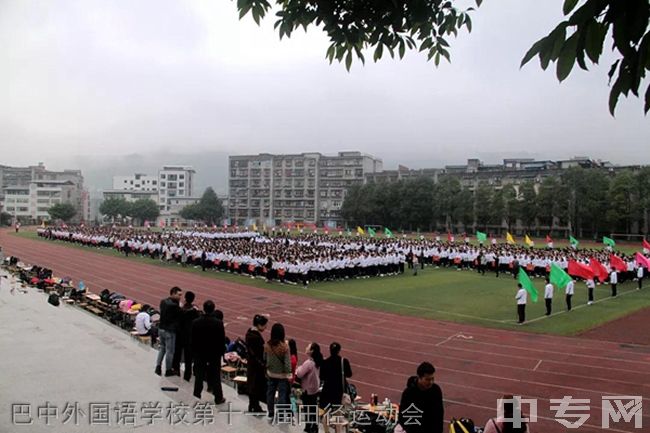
(306,258)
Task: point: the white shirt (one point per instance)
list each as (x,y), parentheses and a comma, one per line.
(613,277)
(548,291)
(591,284)
(142,322)
(570,288)
(522,296)
(639,272)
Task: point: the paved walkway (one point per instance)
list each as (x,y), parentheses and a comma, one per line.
(57,357)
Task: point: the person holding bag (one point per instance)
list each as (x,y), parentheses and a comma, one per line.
(333,373)
(309,375)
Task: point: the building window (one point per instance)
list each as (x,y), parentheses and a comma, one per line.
(181,176)
(162,176)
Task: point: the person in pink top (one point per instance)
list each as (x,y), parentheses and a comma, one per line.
(500,425)
(309,375)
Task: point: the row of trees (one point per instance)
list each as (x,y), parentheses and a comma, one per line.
(209,209)
(586,201)
(141,210)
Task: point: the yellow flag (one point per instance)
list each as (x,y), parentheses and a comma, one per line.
(360,231)
(529,241)
(254,227)
(509,238)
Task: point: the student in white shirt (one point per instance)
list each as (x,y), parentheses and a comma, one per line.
(639,276)
(521,298)
(613,280)
(548,296)
(570,288)
(591,285)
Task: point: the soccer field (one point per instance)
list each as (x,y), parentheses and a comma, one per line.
(447,294)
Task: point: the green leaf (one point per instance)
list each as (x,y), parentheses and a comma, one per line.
(478,3)
(596,33)
(569,5)
(532,52)
(402,48)
(378,52)
(612,70)
(567,57)
(468,23)
(646,108)
(348,61)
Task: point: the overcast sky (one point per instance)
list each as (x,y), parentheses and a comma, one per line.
(98,78)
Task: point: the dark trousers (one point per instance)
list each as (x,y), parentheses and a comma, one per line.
(208,369)
(640,283)
(549,304)
(521,312)
(183,353)
(613,289)
(568,302)
(310,400)
(590,293)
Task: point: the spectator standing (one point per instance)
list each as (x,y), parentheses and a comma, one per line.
(278,368)
(333,373)
(170,312)
(256,366)
(182,351)
(208,343)
(309,375)
(421,407)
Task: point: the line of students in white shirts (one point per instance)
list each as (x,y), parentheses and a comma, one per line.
(569,290)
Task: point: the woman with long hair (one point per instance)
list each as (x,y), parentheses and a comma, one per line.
(278,368)
(309,375)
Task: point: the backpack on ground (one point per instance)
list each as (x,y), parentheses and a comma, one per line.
(53,299)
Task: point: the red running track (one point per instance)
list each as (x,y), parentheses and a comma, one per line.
(474,365)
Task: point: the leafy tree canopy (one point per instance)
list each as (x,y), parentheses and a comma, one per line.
(209,209)
(112,207)
(425,25)
(62,211)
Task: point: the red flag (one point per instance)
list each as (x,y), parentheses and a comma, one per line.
(450,237)
(548,239)
(617,263)
(646,245)
(599,269)
(641,260)
(581,270)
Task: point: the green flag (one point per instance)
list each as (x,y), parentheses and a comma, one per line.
(527,284)
(573,241)
(482,237)
(349,232)
(387,232)
(371,232)
(558,277)
(609,242)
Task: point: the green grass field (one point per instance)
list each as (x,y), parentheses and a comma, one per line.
(448,294)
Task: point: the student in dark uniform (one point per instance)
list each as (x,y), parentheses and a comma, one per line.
(183,352)
(332,373)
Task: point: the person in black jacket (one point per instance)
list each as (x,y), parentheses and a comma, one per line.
(170,312)
(256,367)
(182,351)
(331,373)
(421,409)
(208,342)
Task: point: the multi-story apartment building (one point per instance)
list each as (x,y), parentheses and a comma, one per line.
(172,189)
(136,182)
(306,187)
(27,193)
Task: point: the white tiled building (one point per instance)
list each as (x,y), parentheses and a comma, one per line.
(306,187)
(27,193)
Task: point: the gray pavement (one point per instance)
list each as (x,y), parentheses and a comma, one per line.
(66,356)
